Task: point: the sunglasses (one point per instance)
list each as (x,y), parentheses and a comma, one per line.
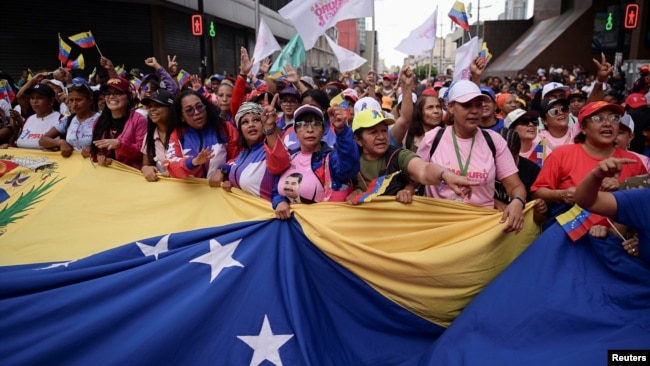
(147,88)
(190,111)
(314,124)
(527,121)
(555,111)
(612,118)
(84,86)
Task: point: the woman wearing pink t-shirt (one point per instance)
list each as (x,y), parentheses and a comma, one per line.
(465,150)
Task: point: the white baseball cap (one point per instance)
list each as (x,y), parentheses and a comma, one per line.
(553,86)
(463,91)
(627,120)
(366,103)
(513,116)
(413,95)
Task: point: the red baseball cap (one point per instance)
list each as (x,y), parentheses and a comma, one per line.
(636,100)
(387,76)
(595,107)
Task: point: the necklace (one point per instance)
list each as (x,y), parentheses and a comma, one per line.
(463,168)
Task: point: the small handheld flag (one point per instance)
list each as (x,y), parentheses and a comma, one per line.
(64,51)
(83,39)
(183,77)
(77,64)
(459,16)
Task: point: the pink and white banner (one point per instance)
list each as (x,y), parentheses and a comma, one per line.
(421,39)
(265,45)
(348,60)
(313,17)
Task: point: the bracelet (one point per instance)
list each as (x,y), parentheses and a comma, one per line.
(442,179)
(520,199)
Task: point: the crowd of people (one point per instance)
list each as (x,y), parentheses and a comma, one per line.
(490,142)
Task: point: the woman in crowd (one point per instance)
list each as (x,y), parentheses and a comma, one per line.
(480,155)
(625,137)
(427,115)
(505,103)
(224,95)
(379,159)
(489,118)
(76,130)
(120,130)
(525,124)
(570,164)
(317,173)
(154,147)
(556,132)
(200,140)
(318,99)
(261,155)
(41,100)
(289,102)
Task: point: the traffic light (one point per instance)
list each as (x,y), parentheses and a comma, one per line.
(197,25)
(631,16)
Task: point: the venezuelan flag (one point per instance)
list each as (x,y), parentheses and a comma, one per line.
(6,91)
(376,188)
(121,71)
(78,64)
(183,77)
(136,83)
(459,16)
(83,39)
(576,222)
(118,275)
(64,51)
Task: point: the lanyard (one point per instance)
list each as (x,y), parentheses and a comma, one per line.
(463,169)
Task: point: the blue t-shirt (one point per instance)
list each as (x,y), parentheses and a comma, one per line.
(632,207)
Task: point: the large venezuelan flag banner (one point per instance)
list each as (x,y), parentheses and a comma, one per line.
(102,266)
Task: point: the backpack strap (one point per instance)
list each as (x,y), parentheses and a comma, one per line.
(409,141)
(436,141)
(490,143)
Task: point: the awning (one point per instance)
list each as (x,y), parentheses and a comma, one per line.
(530,45)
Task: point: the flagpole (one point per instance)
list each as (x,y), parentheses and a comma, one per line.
(97,47)
(374,40)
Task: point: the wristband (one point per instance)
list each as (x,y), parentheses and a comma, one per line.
(520,199)
(269,131)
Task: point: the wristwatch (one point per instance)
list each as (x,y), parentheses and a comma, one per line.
(269,131)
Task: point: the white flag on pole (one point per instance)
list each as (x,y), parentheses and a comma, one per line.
(348,60)
(265,45)
(465,54)
(421,39)
(313,17)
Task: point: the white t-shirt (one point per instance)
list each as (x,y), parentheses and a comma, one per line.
(78,134)
(35,128)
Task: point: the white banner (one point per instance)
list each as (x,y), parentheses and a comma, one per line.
(465,54)
(421,39)
(313,17)
(265,45)
(348,60)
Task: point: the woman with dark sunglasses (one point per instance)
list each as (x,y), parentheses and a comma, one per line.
(200,140)
(557,132)
(74,132)
(525,123)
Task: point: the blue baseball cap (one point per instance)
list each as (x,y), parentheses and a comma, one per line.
(488,91)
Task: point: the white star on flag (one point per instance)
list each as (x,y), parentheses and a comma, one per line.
(219,257)
(266,345)
(160,247)
(62,264)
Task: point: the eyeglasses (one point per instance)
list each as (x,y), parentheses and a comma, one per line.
(190,111)
(555,111)
(290,101)
(145,88)
(114,94)
(528,121)
(612,118)
(314,124)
